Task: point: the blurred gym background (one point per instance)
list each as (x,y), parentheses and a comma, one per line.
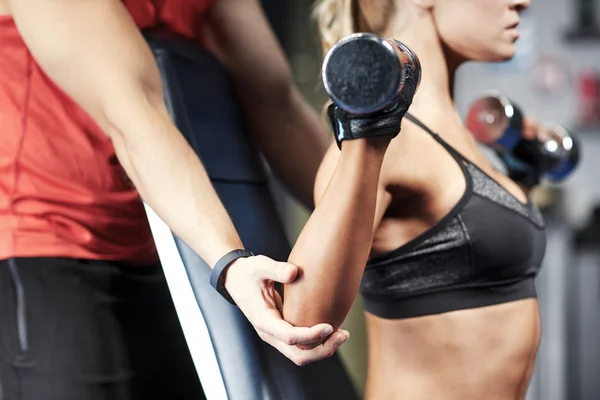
(555,76)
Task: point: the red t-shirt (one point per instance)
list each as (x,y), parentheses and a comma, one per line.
(63,192)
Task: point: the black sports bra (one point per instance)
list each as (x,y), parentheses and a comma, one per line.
(487,250)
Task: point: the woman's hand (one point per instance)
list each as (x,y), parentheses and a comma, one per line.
(531,127)
(250,281)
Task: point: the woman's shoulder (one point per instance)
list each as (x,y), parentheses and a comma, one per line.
(410,158)
(417,166)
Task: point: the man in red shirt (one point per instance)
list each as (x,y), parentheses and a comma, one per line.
(81,100)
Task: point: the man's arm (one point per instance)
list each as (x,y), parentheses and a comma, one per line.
(95,53)
(93,50)
(288,131)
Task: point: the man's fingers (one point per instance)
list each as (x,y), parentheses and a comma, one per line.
(266,317)
(334,341)
(302,357)
(322,351)
(278,271)
(272,325)
(346,333)
(291,352)
(309,346)
(278,300)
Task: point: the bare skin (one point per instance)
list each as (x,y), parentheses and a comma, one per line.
(419,183)
(74,40)
(482,353)
(469,354)
(487,352)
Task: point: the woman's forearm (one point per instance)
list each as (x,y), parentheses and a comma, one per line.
(333,247)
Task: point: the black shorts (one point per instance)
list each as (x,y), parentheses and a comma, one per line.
(90,330)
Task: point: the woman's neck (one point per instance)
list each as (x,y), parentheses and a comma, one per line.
(434,98)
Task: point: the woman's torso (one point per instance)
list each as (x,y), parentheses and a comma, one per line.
(479,352)
(482,353)
(63,192)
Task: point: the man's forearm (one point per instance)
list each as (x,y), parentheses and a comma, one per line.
(171,179)
(119,86)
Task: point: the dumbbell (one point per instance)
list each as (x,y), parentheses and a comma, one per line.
(497,122)
(364,73)
(555,151)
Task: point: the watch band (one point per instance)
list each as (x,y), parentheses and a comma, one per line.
(220,267)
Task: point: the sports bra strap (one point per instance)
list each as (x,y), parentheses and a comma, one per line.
(437,137)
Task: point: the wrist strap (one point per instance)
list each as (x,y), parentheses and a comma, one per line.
(348,126)
(215,276)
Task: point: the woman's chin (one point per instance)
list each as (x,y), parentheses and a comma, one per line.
(506,53)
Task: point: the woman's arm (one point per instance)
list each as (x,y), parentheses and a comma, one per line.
(333,248)
(531,127)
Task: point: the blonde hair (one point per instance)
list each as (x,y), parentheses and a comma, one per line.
(339,18)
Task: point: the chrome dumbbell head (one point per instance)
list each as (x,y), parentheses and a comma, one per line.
(363,73)
(559,145)
(495,121)
(554,152)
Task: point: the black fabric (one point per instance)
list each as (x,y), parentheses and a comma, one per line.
(348,126)
(90,330)
(483,252)
(452,299)
(202,102)
(216,280)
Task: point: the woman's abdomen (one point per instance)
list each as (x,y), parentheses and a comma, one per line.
(479,353)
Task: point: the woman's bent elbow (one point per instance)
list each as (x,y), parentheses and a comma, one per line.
(307,311)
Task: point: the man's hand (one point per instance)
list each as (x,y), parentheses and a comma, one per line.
(250,281)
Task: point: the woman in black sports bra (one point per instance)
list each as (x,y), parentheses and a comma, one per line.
(448,287)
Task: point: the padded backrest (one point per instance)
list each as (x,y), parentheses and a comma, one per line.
(203,105)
